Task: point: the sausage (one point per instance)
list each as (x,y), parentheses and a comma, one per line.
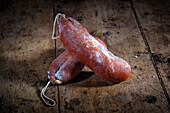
(65,67)
(87,50)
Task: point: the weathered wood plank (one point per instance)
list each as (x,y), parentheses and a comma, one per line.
(155,20)
(115,24)
(26,53)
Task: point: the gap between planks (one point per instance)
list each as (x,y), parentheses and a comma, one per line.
(58,93)
(150,53)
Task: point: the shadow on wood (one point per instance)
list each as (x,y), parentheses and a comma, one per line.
(89,79)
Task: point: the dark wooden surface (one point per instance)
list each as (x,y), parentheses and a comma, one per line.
(155,21)
(137,31)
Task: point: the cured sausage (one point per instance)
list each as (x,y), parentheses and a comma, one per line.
(87,50)
(65,67)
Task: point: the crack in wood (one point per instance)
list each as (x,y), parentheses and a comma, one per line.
(58,93)
(150,53)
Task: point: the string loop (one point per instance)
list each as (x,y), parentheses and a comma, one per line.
(56,19)
(43,96)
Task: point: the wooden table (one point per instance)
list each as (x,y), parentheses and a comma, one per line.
(137,31)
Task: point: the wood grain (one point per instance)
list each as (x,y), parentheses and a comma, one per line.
(26,53)
(155,20)
(115,24)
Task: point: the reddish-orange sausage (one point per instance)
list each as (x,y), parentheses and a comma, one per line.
(65,67)
(86,49)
